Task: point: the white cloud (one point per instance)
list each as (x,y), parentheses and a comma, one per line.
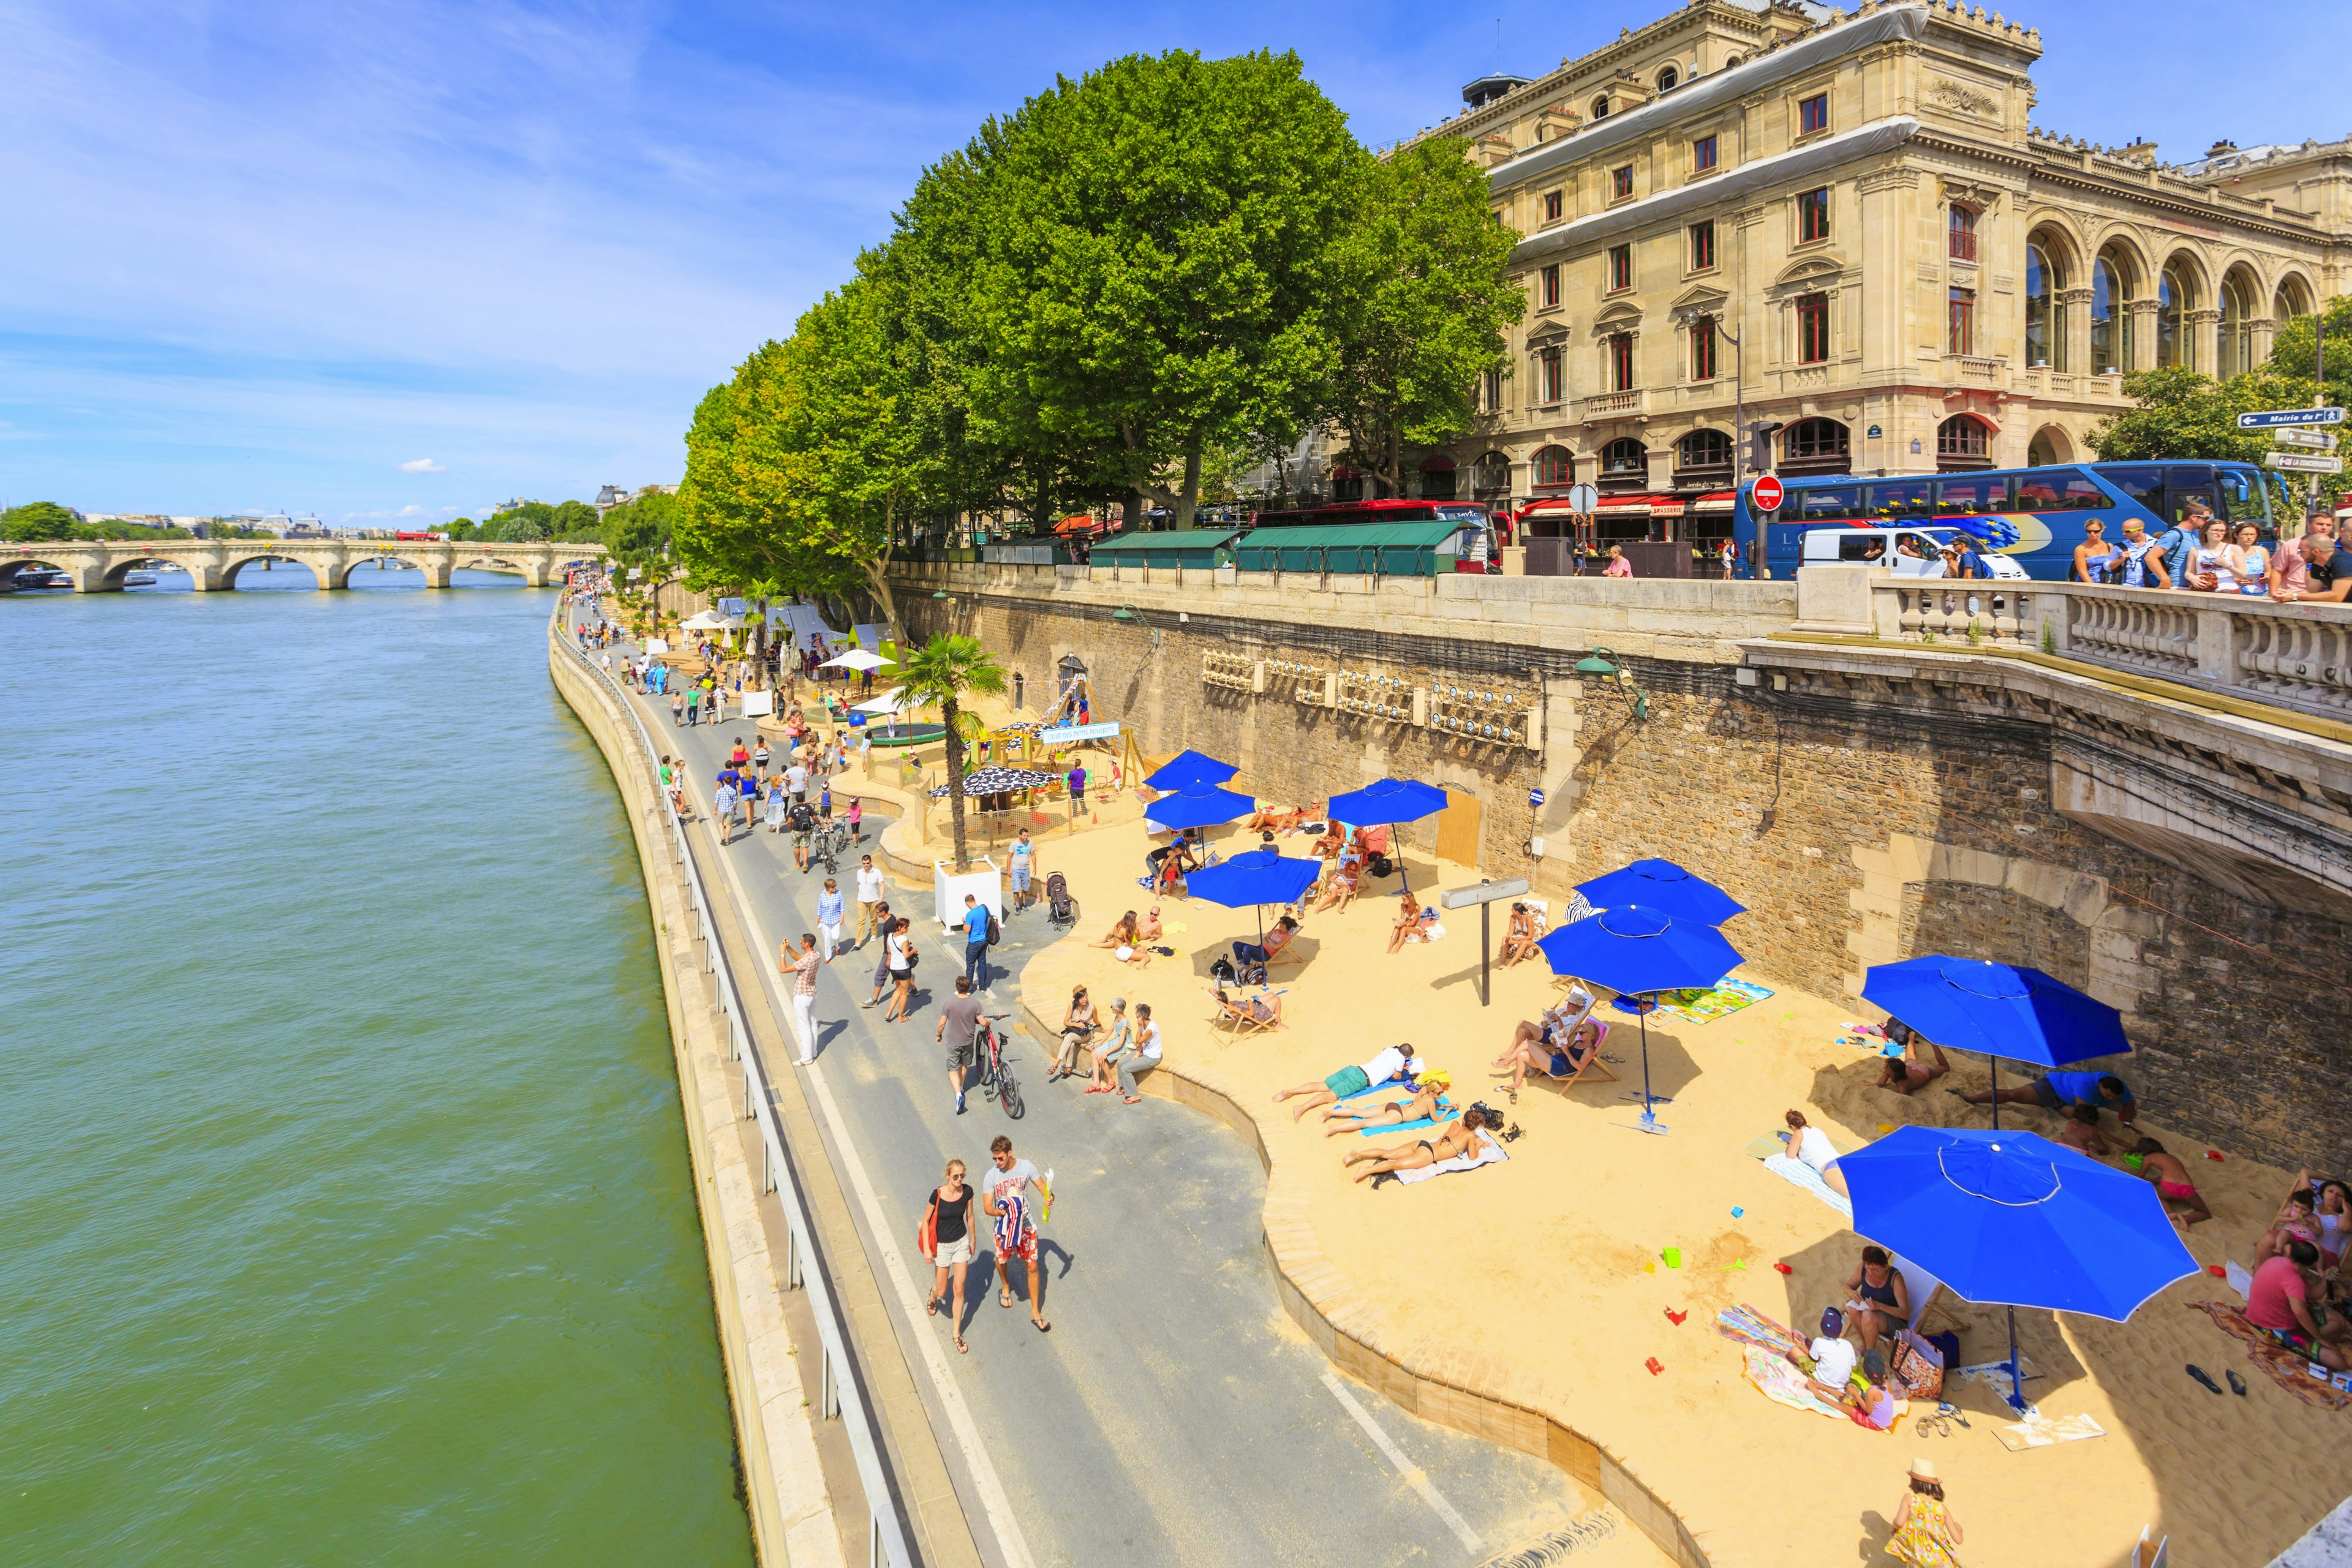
(423,465)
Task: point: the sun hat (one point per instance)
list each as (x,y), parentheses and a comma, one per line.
(1924,1469)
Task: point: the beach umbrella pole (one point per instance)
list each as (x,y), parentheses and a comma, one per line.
(2016,1368)
(1649,1122)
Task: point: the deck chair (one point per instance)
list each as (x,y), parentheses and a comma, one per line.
(1290,954)
(1594,1067)
(1236,1017)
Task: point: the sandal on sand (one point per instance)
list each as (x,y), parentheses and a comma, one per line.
(2201,1374)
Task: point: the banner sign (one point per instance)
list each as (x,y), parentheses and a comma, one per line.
(657,645)
(1069,733)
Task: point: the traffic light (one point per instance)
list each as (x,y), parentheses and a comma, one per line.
(1759,444)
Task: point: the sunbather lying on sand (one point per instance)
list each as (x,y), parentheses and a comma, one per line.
(1421,1107)
(1269,820)
(1455,1138)
(1812,1146)
(1912,1071)
(1556,1056)
(1395,1063)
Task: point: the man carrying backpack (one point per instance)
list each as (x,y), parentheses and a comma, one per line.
(802,820)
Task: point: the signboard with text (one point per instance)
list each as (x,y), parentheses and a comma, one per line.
(2266,418)
(1069,735)
(2304,462)
(2310,440)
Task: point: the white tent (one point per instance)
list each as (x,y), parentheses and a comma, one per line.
(857,659)
(806,627)
(712,621)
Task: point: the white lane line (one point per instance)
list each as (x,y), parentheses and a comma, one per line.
(993,1501)
(1414,1476)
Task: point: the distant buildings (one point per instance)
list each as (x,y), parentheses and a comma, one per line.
(611,496)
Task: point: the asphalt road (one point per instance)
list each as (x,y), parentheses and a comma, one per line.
(1175,1415)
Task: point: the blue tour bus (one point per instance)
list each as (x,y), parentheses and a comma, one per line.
(2034,516)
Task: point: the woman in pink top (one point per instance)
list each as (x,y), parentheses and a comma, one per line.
(1617,566)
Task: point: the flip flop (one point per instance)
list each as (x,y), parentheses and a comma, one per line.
(1043,1326)
(2237,1384)
(1005,1299)
(2199,1373)
(961,1348)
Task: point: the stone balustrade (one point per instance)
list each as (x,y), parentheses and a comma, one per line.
(2296,656)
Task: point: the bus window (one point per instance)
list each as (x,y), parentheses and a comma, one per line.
(2144,485)
(2186,482)
(1976,493)
(1826,503)
(1902,499)
(2241,502)
(2059,490)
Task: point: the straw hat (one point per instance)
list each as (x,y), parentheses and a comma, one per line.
(1924,1469)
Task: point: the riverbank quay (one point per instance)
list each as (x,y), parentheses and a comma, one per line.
(765,1219)
(1174,1413)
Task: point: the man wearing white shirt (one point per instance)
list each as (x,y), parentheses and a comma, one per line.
(1396,1062)
(869,897)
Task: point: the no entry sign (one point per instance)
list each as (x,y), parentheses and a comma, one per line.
(1766,497)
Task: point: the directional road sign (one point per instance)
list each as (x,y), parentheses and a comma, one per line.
(2310,440)
(2269,417)
(2304,462)
(1482,895)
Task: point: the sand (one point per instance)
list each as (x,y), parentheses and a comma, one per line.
(1549,1267)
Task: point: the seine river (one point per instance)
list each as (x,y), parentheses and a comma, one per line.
(345,1207)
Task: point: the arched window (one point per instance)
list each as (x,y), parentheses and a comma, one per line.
(1491,477)
(2172,343)
(2111,321)
(1601,107)
(1554,466)
(1437,476)
(1815,447)
(1960,234)
(1730,63)
(2045,310)
(2049,445)
(2292,300)
(2237,326)
(1708,449)
(1668,78)
(1624,464)
(1963,442)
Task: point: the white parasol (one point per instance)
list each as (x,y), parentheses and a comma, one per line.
(857,659)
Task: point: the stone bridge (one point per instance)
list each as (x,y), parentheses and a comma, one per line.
(213,563)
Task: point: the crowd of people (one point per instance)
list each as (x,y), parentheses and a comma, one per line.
(2207,554)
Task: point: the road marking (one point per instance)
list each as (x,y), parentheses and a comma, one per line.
(994,1500)
(1414,1476)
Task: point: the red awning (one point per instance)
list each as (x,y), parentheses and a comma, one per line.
(1077,522)
(1437,463)
(1640,500)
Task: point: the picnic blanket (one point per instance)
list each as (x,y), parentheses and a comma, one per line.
(1782,1384)
(1703,1006)
(1489,1153)
(2286,1369)
(2040,1431)
(1750,1327)
(1804,1175)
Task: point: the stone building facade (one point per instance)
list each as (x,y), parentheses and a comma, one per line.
(1847,230)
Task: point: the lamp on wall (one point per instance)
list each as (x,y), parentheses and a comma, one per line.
(1598,664)
(1125,613)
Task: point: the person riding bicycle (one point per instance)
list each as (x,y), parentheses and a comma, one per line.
(802,820)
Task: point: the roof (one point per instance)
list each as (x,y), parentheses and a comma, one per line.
(1202,539)
(1355,535)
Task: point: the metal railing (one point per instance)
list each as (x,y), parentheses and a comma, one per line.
(842,1388)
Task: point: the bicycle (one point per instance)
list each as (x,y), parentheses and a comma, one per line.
(996,1078)
(831,840)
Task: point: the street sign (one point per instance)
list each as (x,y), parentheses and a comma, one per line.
(1767,495)
(1583,500)
(1483,893)
(1070,734)
(2269,417)
(2310,440)
(2304,462)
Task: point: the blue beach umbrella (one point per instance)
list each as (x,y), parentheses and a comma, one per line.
(1188,768)
(1203,806)
(1997,1010)
(1663,885)
(1635,950)
(2013,1220)
(1385,804)
(1256,877)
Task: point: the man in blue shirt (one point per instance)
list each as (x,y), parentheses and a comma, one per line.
(975,941)
(2060,1091)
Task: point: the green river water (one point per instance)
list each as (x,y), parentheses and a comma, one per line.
(345,1207)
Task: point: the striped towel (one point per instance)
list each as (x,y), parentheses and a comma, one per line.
(1805,1176)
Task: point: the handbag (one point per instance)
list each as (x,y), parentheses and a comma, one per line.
(1914,1368)
(927,1234)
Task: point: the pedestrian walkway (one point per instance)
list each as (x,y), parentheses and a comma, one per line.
(1175,1414)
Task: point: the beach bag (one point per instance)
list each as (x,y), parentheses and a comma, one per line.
(1914,1368)
(927,1234)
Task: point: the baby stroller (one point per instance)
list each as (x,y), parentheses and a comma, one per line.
(1061,909)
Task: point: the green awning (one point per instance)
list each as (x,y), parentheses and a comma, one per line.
(1392,549)
(1183,547)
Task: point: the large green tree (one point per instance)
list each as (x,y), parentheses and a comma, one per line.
(942,673)
(39,521)
(1158,273)
(2296,346)
(1423,306)
(2181,414)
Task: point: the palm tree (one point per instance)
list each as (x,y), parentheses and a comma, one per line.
(946,670)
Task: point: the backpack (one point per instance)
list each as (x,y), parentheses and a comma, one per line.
(995,931)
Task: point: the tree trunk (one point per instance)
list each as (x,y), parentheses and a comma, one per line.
(1188,500)
(1136,519)
(955,782)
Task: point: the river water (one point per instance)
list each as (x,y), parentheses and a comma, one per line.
(345,1214)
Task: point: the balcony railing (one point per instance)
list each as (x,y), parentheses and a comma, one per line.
(1964,243)
(2296,656)
(1610,404)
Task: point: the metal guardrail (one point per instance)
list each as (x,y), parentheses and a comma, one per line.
(842,1387)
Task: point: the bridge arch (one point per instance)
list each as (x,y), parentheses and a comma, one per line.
(231,571)
(119,572)
(27,567)
(413,573)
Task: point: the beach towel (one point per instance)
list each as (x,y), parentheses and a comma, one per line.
(1805,1176)
(1445,1112)
(1750,1327)
(1782,1384)
(2040,1431)
(1489,1153)
(1394,1086)
(2286,1368)
(1700,1006)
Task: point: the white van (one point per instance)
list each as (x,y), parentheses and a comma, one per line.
(1906,551)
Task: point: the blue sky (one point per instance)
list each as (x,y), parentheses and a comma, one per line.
(405,260)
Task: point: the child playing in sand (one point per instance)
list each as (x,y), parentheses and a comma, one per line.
(2173,1185)
(2081,1130)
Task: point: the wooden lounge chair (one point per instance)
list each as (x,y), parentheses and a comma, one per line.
(1594,1067)
(1234,1015)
